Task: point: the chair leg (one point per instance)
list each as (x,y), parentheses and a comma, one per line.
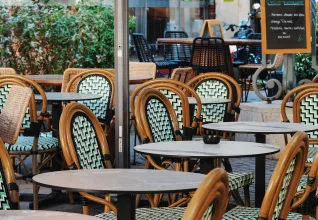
(236,196)
(34,172)
(85,206)
(247,196)
(71,198)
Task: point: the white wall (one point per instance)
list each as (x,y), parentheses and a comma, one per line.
(232,12)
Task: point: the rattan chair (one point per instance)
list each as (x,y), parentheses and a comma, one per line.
(145,55)
(282,186)
(9,191)
(315,79)
(32,142)
(179,53)
(209,55)
(141,69)
(78,127)
(209,202)
(7,71)
(305,111)
(70,73)
(212,86)
(97,82)
(151,132)
(307,190)
(183,74)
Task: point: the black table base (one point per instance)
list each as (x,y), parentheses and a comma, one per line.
(260,167)
(126,207)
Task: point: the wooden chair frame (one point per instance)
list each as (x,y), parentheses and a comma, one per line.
(50,154)
(73,83)
(193,83)
(214,189)
(315,79)
(9,174)
(168,82)
(69,149)
(297,149)
(289,95)
(70,73)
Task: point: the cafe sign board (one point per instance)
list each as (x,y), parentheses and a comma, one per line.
(286,26)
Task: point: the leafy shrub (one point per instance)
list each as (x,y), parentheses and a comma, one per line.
(47,39)
(303,66)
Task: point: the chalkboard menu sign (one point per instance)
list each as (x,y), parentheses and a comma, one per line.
(212,28)
(286,26)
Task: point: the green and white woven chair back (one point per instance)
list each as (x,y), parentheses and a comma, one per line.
(98,85)
(309,114)
(159,120)
(4,92)
(85,141)
(284,189)
(176,104)
(4,192)
(212,88)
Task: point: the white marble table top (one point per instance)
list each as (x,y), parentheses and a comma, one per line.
(67,96)
(198,149)
(42,215)
(192,101)
(120,181)
(251,127)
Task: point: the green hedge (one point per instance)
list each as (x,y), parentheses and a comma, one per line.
(43,38)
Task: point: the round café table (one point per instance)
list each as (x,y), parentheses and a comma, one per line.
(57,80)
(206,152)
(260,129)
(125,183)
(40,215)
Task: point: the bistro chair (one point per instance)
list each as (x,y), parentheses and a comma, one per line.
(305,111)
(177,98)
(209,55)
(179,53)
(307,190)
(208,202)
(144,54)
(70,73)
(97,82)
(141,69)
(211,86)
(33,142)
(7,71)
(84,146)
(183,74)
(282,186)
(160,124)
(9,189)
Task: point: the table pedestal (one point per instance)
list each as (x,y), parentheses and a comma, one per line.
(126,207)
(260,167)
(206,165)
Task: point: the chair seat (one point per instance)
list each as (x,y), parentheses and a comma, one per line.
(150,213)
(166,64)
(303,183)
(245,213)
(311,154)
(25,144)
(239,180)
